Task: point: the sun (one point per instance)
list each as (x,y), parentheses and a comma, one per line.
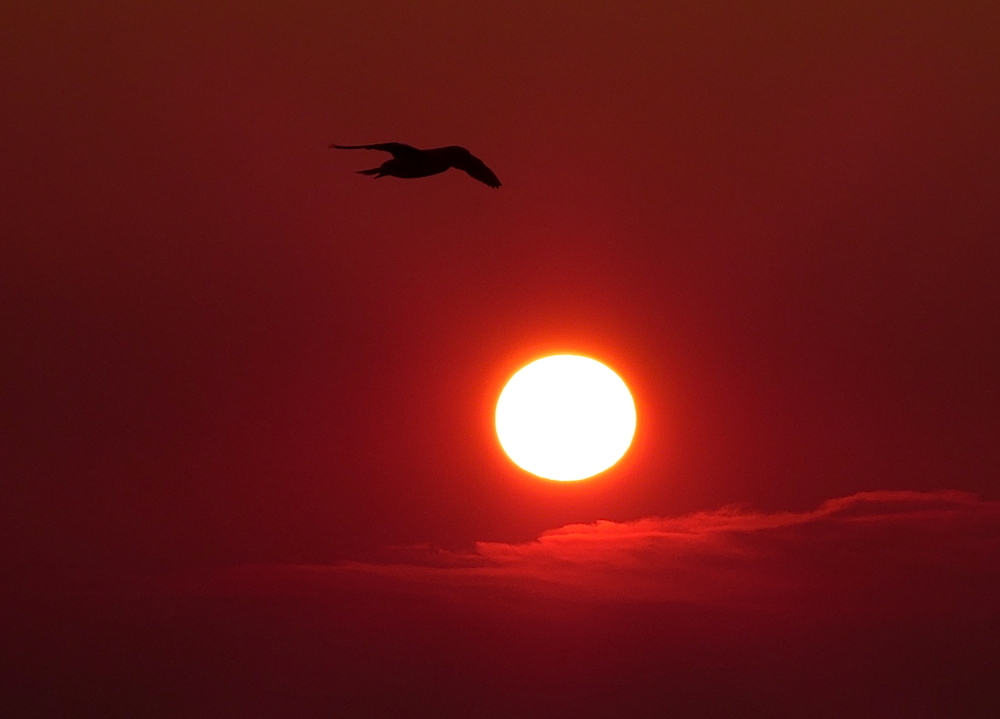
(565,417)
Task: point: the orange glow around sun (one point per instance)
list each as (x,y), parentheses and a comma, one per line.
(565,417)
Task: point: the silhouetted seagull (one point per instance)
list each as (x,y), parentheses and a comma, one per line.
(409,162)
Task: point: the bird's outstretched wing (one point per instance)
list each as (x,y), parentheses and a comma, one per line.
(398,149)
(477,169)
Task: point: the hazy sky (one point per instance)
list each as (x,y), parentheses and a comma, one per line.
(777,221)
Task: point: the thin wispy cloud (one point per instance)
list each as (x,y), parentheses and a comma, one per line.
(875,551)
(877,604)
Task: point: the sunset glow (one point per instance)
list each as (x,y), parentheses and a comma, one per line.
(565,417)
(499,360)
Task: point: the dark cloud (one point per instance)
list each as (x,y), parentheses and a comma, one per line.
(887,551)
(881,604)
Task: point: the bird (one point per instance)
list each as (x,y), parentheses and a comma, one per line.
(408,161)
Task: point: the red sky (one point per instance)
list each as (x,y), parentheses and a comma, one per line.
(222,349)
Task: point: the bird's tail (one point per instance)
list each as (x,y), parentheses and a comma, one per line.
(377,171)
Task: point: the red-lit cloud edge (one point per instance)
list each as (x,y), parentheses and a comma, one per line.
(894,552)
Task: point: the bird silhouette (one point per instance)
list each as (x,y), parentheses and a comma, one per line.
(410,162)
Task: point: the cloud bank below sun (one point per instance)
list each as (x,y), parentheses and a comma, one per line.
(883,552)
(877,604)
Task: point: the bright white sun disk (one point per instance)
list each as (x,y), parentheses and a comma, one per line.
(565,417)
